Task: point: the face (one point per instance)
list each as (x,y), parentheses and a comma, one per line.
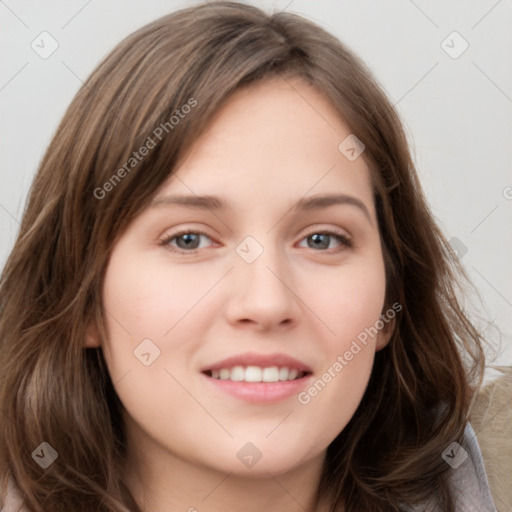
(236,322)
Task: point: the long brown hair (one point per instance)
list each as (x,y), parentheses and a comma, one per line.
(54,390)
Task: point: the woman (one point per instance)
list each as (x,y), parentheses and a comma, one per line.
(228,291)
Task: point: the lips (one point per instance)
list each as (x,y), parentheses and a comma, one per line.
(251,359)
(258,377)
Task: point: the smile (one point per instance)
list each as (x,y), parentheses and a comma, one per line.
(258,378)
(256,374)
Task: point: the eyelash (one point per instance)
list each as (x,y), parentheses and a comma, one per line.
(345,243)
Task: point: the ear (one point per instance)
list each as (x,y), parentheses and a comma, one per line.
(92,338)
(385,335)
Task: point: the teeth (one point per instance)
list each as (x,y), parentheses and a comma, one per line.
(283,373)
(237,373)
(257,374)
(253,374)
(270,374)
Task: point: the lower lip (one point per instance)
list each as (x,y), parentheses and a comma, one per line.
(261,392)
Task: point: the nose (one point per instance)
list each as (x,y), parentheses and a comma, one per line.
(262,294)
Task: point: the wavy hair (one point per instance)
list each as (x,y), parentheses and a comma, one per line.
(54,390)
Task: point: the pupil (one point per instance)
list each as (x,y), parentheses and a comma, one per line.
(189,239)
(322,239)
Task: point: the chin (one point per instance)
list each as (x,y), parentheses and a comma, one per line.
(257,460)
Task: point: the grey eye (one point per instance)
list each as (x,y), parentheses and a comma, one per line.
(188,240)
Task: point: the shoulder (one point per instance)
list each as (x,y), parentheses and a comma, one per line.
(468,477)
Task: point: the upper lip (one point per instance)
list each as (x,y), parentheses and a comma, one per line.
(262,360)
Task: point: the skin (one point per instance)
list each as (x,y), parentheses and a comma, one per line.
(270,145)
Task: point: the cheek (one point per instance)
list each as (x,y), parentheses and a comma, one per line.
(148,302)
(145,314)
(350,300)
(351,306)
(149,298)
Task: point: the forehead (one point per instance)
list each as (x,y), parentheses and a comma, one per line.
(275,139)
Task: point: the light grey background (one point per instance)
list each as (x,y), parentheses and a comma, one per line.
(457,111)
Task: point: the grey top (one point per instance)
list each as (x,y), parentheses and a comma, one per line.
(468,479)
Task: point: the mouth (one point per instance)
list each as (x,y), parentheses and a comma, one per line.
(256,374)
(259,378)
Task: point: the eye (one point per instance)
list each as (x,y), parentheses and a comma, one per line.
(322,240)
(184,241)
(190,241)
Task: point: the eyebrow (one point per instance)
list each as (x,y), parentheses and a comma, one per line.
(208,202)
